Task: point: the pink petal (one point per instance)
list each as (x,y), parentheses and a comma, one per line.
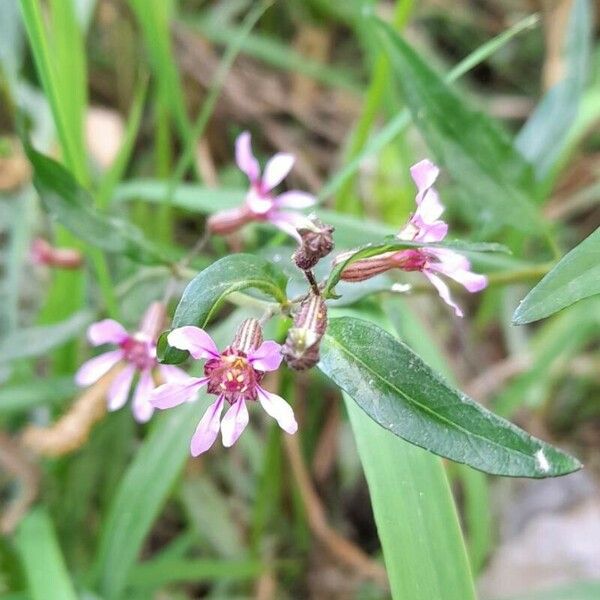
(119,388)
(430,232)
(107,331)
(279,409)
(141,407)
(295,199)
(208,429)
(456,266)
(244,158)
(267,357)
(234,422)
(171,373)
(289,222)
(259,203)
(276,170)
(424,174)
(91,370)
(195,340)
(176,393)
(443,291)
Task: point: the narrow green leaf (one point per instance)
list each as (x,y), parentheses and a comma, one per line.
(73,207)
(576,276)
(401,393)
(545,134)
(44,565)
(206,292)
(38,340)
(140,496)
(162,572)
(416,520)
(349,231)
(35,392)
(477,153)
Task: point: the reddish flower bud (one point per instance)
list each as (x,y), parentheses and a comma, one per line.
(229,221)
(317,242)
(301,348)
(365,268)
(42,253)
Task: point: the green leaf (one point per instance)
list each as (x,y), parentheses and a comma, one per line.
(162,572)
(576,276)
(416,519)
(35,392)
(394,244)
(38,340)
(401,393)
(43,562)
(73,207)
(545,134)
(477,153)
(140,496)
(206,292)
(397,124)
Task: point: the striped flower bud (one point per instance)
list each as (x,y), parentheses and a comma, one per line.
(248,336)
(317,242)
(301,348)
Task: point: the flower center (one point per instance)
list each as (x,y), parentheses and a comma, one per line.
(410,260)
(139,352)
(232,376)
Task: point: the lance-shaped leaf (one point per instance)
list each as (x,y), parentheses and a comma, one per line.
(479,155)
(72,206)
(206,292)
(401,393)
(547,130)
(393,244)
(35,341)
(576,276)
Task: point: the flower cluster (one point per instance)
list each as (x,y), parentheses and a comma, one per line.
(424,226)
(235,375)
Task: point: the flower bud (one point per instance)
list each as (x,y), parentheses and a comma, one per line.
(43,253)
(153,321)
(301,348)
(229,221)
(317,242)
(365,268)
(248,336)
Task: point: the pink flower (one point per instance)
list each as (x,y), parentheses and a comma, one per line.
(425,225)
(261,203)
(234,376)
(138,352)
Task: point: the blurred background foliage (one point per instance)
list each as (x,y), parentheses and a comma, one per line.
(142,101)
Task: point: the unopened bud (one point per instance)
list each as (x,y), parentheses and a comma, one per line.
(153,321)
(317,242)
(248,336)
(365,268)
(43,253)
(229,221)
(301,348)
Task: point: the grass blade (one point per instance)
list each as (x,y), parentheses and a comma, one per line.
(42,559)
